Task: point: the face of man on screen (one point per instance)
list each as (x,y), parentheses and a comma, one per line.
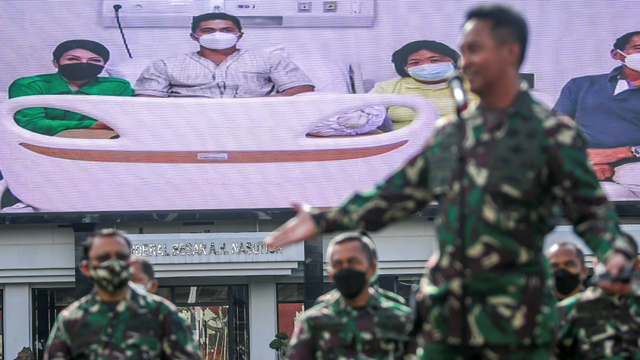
(486,60)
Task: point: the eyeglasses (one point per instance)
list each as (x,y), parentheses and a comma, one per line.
(107,257)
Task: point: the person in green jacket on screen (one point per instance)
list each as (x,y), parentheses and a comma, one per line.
(79,62)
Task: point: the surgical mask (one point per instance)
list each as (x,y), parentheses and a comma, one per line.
(112,275)
(632,61)
(80,71)
(431,72)
(566,281)
(218,40)
(350,282)
(141,287)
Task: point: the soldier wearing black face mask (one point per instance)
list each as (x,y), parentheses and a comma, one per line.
(566,261)
(357,322)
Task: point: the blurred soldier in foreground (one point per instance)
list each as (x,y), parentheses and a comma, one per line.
(600,323)
(497,172)
(114,321)
(389,295)
(358,322)
(143,277)
(566,261)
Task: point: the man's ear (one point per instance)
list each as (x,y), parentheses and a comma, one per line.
(55,63)
(513,51)
(330,273)
(637,264)
(615,55)
(154,286)
(240,35)
(84,267)
(193,37)
(584,273)
(372,270)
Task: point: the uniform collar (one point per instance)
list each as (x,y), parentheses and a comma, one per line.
(615,74)
(130,296)
(59,85)
(373,303)
(521,106)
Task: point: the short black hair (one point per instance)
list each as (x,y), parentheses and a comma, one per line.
(89,45)
(624,40)
(197,20)
(400,57)
(506,25)
(578,250)
(366,243)
(86,246)
(146,267)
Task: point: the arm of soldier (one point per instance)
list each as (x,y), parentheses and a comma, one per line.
(574,182)
(58,345)
(401,195)
(302,345)
(177,340)
(567,339)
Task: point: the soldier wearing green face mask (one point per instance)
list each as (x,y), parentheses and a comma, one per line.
(356,322)
(103,324)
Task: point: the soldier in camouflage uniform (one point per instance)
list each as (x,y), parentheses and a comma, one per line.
(596,325)
(497,172)
(389,295)
(357,322)
(115,321)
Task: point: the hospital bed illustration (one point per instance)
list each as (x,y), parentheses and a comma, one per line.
(196,153)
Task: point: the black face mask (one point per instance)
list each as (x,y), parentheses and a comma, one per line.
(350,282)
(566,281)
(80,71)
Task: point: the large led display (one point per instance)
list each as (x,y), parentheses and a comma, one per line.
(263,152)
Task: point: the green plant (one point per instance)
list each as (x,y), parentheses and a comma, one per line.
(280,345)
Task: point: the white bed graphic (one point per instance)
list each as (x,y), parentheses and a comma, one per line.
(197,154)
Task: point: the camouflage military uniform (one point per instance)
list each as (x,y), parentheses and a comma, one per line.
(384,293)
(141,326)
(334,330)
(497,182)
(595,325)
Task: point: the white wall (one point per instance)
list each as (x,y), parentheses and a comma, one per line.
(567,38)
(262,317)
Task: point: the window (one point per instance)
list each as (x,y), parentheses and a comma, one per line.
(219,318)
(47,303)
(291,305)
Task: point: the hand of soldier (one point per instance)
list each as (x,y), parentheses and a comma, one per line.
(298,228)
(614,267)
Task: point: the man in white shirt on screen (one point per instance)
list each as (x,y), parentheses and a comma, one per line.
(220,69)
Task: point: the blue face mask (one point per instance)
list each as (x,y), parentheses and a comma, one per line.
(431,72)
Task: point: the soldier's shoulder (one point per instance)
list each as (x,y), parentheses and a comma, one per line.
(389,295)
(394,307)
(78,308)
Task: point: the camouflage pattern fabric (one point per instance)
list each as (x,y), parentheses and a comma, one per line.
(334,330)
(595,325)
(497,182)
(141,326)
(384,293)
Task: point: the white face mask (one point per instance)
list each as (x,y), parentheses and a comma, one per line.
(431,72)
(218,40)
(142,288)
(632,61)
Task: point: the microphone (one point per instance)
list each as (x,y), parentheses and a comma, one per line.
(457,89)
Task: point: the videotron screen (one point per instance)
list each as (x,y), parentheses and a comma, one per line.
(129,106)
